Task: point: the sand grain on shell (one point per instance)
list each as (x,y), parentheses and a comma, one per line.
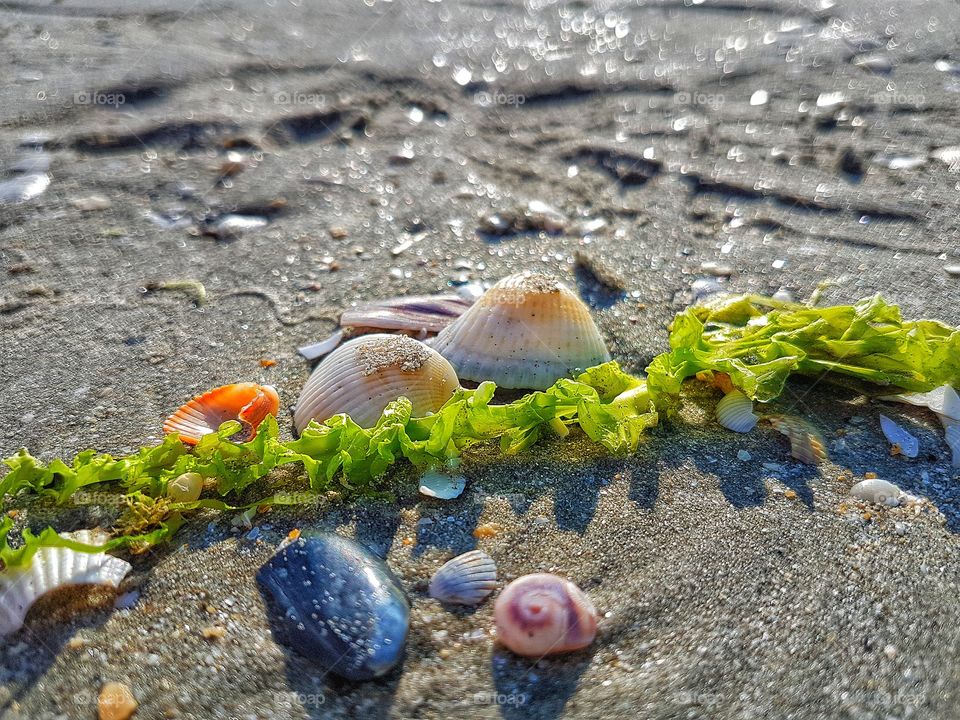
(400,352)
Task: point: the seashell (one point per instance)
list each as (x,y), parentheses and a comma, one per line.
(735,412)
(248,403)
(418,314)
(909,445)
(53,568)
(544,614)
(441,485)
(806,444)
(340,606)
(952,436)
(942,400)
(877,491)
(465,580)
(363,376)
(526,331)
(185,488)
(317,350)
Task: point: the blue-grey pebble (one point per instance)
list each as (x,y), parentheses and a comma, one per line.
(341,605)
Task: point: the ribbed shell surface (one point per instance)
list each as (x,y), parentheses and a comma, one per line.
(346,382)
(735,412)
(526,331)
(52,568)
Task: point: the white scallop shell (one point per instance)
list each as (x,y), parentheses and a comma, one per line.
(442,486)
(527,331)
(953,440)
(875,490)
(52,568)
(364,375)
(942,400)
(465,580)
(896,435)
(735,412)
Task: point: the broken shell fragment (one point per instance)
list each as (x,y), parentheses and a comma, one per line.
(877,491)
(247,403)
(53,568)
(544,614)
(806,444)
(526,331)
(361,377)
(442,486)
(942,400)
(735,412)
(899,438)
(465,580)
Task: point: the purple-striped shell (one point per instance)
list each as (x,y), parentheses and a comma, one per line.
(544,614)
(465,580)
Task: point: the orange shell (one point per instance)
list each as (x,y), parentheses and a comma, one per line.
(248,403)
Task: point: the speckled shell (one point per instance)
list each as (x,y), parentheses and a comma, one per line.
(526,331)
(338,604)
(896,435)
(544,614)
(363,376)
(735,412)
(53,568)
(877,491)
(247,403)
(806,444)
(465,580)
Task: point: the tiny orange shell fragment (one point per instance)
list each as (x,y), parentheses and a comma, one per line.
(116,702)
(267,362)
(790,494)
(293,534)
(870,475)
(248,403)
(487,530)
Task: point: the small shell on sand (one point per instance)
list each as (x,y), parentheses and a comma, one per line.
(877,491)
(543,614)
(465,580)
(116,702)
(51,569)
(442,486)
(735,412)
(896,435)
(806,444)
(248,403)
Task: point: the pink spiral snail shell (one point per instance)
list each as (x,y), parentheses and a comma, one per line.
(544,614)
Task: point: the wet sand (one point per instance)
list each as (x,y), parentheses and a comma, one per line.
(777,147)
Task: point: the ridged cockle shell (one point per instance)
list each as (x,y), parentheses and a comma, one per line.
(735,412)
(465,580)
(53,568)
(363,376)
(544,614)
(526,331)
(247,403)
